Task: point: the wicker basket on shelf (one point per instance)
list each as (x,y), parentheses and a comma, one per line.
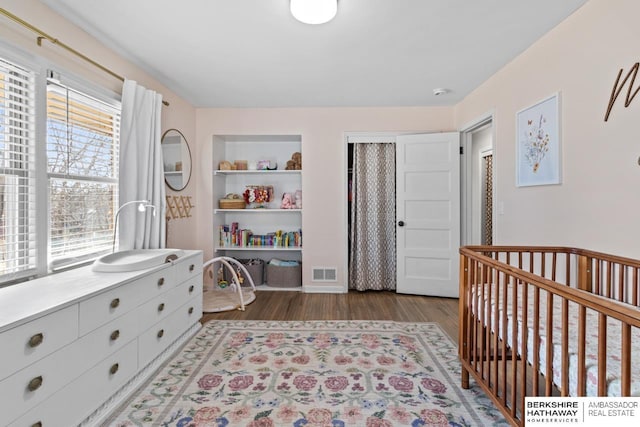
(232,201)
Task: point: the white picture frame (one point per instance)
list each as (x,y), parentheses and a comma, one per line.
(538,154)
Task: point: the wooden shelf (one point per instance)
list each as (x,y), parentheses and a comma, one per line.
(258,248)
(256,211)
(257,172)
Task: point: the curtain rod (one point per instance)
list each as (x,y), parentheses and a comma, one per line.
(44,36)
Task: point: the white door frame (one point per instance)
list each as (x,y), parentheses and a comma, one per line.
(466,132)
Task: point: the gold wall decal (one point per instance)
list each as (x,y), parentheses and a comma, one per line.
(618,86)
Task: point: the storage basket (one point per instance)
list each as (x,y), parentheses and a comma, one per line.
(255,267)
(231,204)
(284,276)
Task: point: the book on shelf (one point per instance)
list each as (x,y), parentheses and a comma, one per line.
(232,236)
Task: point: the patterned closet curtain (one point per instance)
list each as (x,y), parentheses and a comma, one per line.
(373,216)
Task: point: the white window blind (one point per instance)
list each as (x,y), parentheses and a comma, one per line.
(17,172)
(82,165)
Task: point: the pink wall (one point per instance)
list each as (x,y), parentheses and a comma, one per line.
(597,204)
(324,164)
(179,115)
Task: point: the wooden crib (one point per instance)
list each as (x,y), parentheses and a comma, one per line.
(581,310)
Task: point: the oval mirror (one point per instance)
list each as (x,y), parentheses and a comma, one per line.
(176,157)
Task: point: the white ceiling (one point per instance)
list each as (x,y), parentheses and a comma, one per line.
(253,53)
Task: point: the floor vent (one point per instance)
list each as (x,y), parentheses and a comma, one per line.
(324,274)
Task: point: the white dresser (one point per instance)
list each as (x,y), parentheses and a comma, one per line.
(74,345)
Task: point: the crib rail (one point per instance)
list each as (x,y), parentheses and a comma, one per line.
(513,298)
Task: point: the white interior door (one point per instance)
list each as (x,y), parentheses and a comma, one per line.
(428,213)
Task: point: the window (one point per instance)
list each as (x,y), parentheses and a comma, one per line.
(59,143)
(82,166)
(17,172)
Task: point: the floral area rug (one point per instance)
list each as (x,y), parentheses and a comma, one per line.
(315,373)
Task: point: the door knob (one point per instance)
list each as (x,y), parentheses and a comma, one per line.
(401,223)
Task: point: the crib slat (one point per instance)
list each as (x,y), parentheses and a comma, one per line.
(525,341)
(621,292)
(483,320)
(531,261)
(504,338)
(598,286)
(476,297)
(626,360)
(496,313)
(609,275)
(567,270)
(514,340)
(602,355)
(565,348)
(536,340)
(582,373)
(471,315)
(548,388)
(635,287)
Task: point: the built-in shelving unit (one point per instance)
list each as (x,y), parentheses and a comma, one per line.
(260,221)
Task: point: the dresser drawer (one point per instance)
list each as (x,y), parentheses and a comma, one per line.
(28,343)
(157,282)
(188,267)
(164,304)
(84,394)
(107,339)
(190,288)
(35,383)
(157,338)
(157,309)
(105,307)
(187,290)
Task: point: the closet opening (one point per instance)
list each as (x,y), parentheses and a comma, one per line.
(478,194)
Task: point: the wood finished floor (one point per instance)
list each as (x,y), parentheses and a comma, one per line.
(371,305)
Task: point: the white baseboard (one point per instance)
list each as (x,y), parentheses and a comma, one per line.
(324,289)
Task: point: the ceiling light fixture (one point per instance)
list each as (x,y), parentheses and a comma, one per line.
(314,11)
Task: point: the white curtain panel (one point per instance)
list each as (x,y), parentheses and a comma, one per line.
(141,169)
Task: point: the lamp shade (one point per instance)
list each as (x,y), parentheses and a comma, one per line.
(314,11)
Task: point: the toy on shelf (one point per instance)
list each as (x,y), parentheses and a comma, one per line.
(295,163)
(287,201)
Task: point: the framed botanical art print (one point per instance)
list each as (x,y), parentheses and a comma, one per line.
(538,152)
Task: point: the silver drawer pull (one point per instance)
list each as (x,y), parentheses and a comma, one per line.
(191,288)
(160,333)
(115,335)
(190,310)
(115,303)
(36,340)
(35,383)
(114,368)
(161,306)
(191,267)
(161,281)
